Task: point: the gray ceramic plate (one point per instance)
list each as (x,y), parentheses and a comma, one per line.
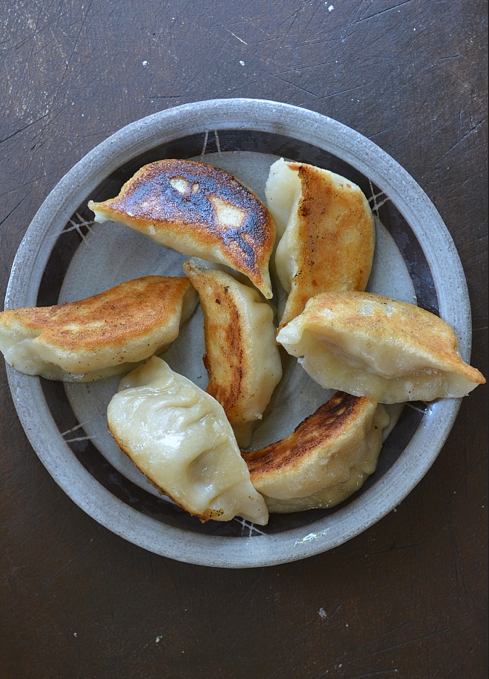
(64,257)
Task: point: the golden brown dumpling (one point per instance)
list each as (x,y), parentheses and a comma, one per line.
(326,459)
(199,210)
(103,335)
(329,239)
(242,357)
(369,345)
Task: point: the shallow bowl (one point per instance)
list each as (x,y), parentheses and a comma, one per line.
(64,256)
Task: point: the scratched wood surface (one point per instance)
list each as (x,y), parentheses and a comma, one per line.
(407,598)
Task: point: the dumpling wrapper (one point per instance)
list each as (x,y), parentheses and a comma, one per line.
(369,345)
(282,190)
(327,458)
(103,335)
(179,437)
(242,357)
(199,210)
(329,239)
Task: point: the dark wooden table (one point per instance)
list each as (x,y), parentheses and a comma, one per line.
(407,598)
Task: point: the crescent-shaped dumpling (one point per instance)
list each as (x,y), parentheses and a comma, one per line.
(103,335)
(369,345)
(327,458)
(199,210)
(329,238)
(242,357)
(179,437)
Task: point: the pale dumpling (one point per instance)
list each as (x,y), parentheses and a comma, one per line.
(282,191)
(369,345)
(242,357)
(179,437)
(103,335)
(327,458)
(329,239)
(199,210)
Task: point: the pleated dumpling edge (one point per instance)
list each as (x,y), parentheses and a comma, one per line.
(179,437)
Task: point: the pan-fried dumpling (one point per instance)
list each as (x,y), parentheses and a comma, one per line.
(180,439)
(329,240)
(242,357)
(104,335)
(327,458)
(282,191)
(374,346)
(199,210)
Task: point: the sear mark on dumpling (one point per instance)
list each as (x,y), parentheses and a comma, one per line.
(179,437)
(370,345)
(242,357)
(200,211)
(327,458)
(103,335)
(329,239)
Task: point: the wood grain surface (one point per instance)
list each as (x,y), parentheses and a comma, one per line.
(408,597)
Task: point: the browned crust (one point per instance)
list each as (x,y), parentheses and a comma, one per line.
(230,392)
(122,314)
(149,197)
(411,326)
(224,359)
(337,237)
(327,423)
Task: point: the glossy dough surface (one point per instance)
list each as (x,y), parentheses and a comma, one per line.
(98,336)
(199,210)
(327,458)
(282,191)
(329,239)
(242,357)
(180,439)
(369,345)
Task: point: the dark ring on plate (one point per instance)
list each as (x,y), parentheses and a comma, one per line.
(68,241)
(262,127)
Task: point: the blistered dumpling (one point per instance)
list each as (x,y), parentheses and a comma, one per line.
(242,357)
(374,346)
(103,335)
(199,210)
(329,239)
(179,437)
(327,458)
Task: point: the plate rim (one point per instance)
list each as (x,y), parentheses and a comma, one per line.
(325,133)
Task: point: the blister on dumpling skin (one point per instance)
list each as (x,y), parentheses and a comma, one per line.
(329,240)
(369,345)
(179,437)
(98,336)
(327,458)
(242,357)
(199,210)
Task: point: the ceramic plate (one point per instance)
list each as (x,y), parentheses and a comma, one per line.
(65,256)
